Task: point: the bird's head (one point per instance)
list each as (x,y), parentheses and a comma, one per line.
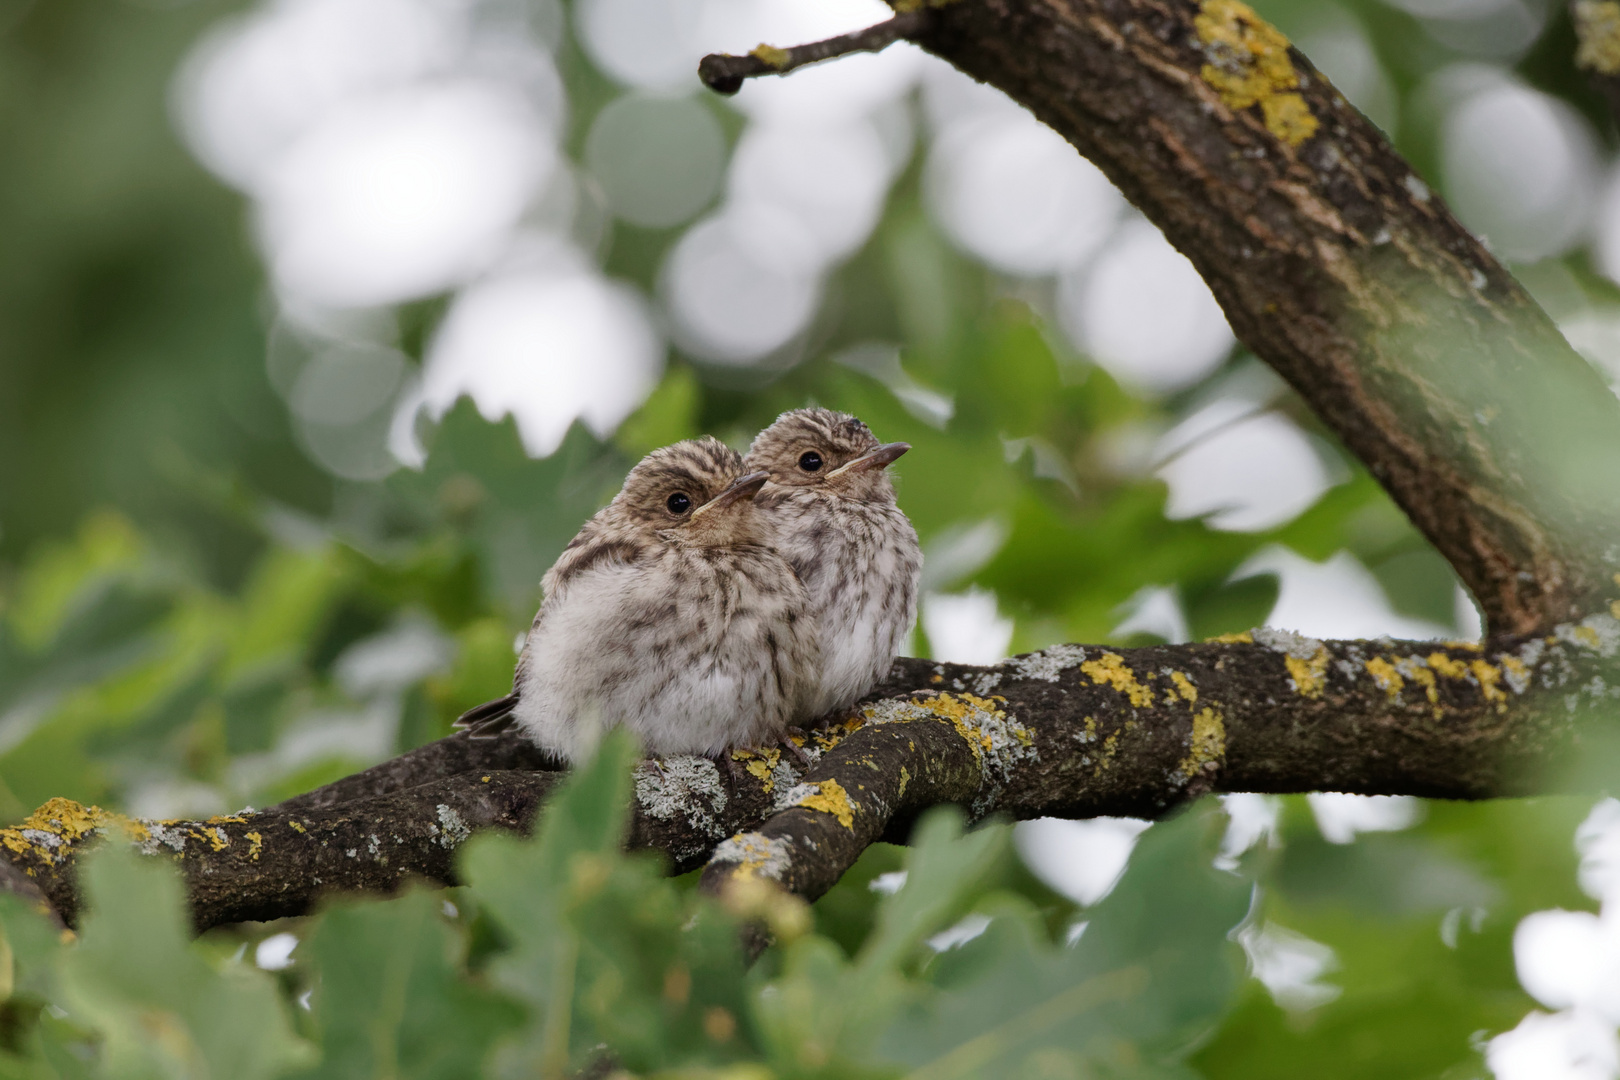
(827,452)
(695,493)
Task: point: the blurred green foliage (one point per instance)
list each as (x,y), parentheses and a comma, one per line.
(194,616)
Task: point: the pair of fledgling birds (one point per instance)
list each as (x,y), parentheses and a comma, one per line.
(720,599)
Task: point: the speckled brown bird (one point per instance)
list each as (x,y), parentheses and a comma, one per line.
(670,615)
(837,522)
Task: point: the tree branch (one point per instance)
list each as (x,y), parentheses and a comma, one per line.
(724,73)
(1597,31)
(1071,732)
(1338,265)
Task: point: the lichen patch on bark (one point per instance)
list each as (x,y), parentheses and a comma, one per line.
(1247,63)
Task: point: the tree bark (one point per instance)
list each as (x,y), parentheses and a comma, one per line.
(1069,732)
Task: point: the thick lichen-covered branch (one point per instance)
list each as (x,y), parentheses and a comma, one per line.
(1071,732)
(1597,52)
(1339,266)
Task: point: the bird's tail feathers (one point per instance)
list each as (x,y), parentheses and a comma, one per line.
(489,719)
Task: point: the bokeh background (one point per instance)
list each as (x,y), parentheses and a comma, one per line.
(325,323)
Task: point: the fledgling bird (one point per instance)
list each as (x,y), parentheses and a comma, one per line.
(837,522)
(669,614)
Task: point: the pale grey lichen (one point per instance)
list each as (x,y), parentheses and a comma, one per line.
(453,830)
(1048,664)
(1287,642)
(687,787)
(162,836)
(756,853)
(1599,632)
(998,739)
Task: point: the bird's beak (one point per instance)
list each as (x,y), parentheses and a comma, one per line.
(880,458)
(745,487)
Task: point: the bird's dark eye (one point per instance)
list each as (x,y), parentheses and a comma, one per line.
(809,461)
(679,503)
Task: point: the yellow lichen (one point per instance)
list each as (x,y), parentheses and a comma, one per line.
(1384,674)
(1244,638)
(1421,675)
(59,823)
(1248,64)
(1208,744)
(1184,685)
(1614,608)
(1597,29)
(761,765)
(295,827)
(1110,670)
(1309,676)
(1449,667)
(1488,676)
(255,845)
(831,798)
(905,778)
(1586,636)
(770,56)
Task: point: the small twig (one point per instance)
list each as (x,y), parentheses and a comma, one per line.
(724,73)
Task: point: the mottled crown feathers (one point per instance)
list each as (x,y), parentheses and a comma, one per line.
(837,437)
(700,468)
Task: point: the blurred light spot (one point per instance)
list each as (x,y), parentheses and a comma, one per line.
(729,301)
(1253,474)
(274,953)
(394,659)
(1339,48)
(400,196)
(831,180)
(1564,1046)
(965,930)
(888,884)
(546,348)
(347,384)
(1156,610)
(1251,819)
(882,362)
(1598,842)
(965,628)
(1341,816)
(1011,191)
(1570,959)
(658,160)
(1520,167)
(959,550)
(1083,860)
(1289,965)
(354,451)
(258,82)
(1595,332)
(651,44)
(1338,598)
(1493,28)
(1470,624)
(1143,313)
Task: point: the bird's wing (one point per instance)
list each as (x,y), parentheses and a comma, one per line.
(489,719)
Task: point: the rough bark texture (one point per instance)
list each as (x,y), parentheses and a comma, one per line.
(1337,265)
(1069,732)
(1597,29)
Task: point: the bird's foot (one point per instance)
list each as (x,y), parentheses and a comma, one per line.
(730,765)
(794,750)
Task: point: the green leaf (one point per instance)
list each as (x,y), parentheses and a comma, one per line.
(527,886)
(389,996)
(1153,969)
(160,1009)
